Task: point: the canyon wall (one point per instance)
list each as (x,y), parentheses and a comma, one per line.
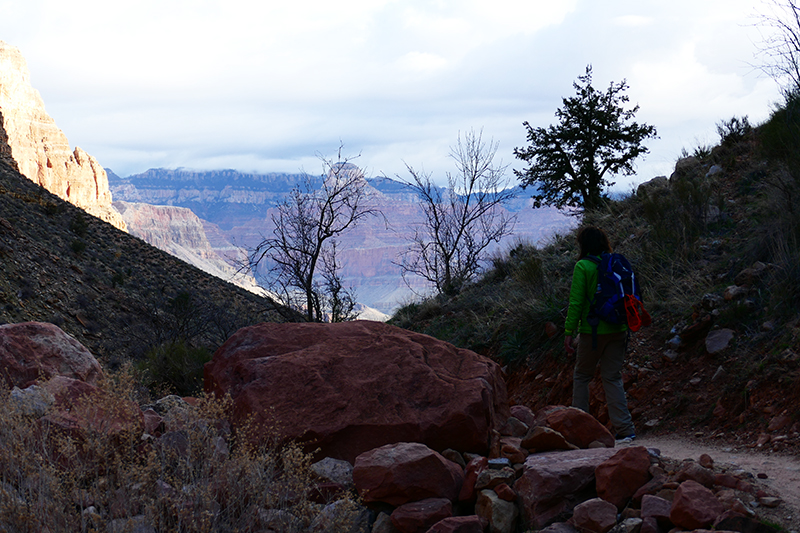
(178,231)
(41,150)
(236,208)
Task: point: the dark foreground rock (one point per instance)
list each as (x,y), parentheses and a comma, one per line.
(37,351)
(350,387)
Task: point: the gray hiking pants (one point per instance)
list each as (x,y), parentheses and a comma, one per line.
(610,355)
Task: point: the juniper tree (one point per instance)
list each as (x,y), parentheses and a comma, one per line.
(571,163)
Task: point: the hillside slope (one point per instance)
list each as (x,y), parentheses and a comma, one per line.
(716,249)
(116,294)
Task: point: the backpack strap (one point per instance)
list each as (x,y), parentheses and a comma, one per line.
(592,319)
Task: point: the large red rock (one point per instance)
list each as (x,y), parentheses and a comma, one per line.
(694,506)
(31,351)
(405,472)
(578,427)
(350,387)
(417,517)
(622,475)
(551,482)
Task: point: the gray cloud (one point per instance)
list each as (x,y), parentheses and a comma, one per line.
(264,86)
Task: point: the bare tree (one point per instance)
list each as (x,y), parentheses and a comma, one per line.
(461,220)
(301,255)
(780,46)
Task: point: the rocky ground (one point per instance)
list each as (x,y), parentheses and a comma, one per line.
(777,472)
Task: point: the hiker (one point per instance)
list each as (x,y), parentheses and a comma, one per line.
(610,340)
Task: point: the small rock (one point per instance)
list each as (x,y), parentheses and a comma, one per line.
(718,340)
(779,422)
(501,514)
(594,515)
(734,292)
(498,463)
(670,355)
(706,461)
(674,342)
(489,478)
(514,427)
(453,455)
(334,470)
(769,501)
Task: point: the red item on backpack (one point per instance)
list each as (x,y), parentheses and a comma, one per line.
(636,313)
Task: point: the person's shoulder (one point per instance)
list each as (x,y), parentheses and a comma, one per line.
(589,261)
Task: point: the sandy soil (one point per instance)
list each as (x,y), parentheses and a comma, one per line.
(782,471)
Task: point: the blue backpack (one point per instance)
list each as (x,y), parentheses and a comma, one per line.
(617,299)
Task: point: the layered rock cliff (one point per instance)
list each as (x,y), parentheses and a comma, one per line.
(41,150)
(178,231)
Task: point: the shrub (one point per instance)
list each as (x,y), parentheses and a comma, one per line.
(175,366)
(79,225)
(78,246)
(198,477)
(734,130)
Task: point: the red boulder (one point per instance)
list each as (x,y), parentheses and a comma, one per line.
(622,475)
(37,351)
(416,517)
(578,427)
(405,472)
(551,483)
(350,387)
(694,506)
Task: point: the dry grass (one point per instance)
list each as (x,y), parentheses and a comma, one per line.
(723,210)
(196,477)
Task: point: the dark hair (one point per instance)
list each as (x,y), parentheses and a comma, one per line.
(592,241)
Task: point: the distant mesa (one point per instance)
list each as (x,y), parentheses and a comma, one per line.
(235,207)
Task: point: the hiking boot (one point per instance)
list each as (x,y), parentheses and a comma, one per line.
(625,440)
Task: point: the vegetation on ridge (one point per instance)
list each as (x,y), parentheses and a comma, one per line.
(723,210)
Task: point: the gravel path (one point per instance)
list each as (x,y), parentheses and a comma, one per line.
(782,471)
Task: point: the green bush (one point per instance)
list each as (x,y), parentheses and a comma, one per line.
(175,366)
(78,246)
(79,225)
(733,130)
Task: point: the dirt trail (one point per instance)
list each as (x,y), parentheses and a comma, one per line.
(782,471)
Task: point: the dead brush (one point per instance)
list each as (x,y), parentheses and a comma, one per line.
(97,474)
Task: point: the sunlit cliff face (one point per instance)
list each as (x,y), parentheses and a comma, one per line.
(40,148)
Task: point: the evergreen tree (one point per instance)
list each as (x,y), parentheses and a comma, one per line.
(570,163)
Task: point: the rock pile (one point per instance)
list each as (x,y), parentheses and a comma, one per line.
(592,489)
(555,471)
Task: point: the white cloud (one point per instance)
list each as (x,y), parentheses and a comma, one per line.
(264,85)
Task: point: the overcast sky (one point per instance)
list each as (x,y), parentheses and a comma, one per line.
(265,85)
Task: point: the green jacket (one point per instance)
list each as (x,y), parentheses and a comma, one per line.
(584,285)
